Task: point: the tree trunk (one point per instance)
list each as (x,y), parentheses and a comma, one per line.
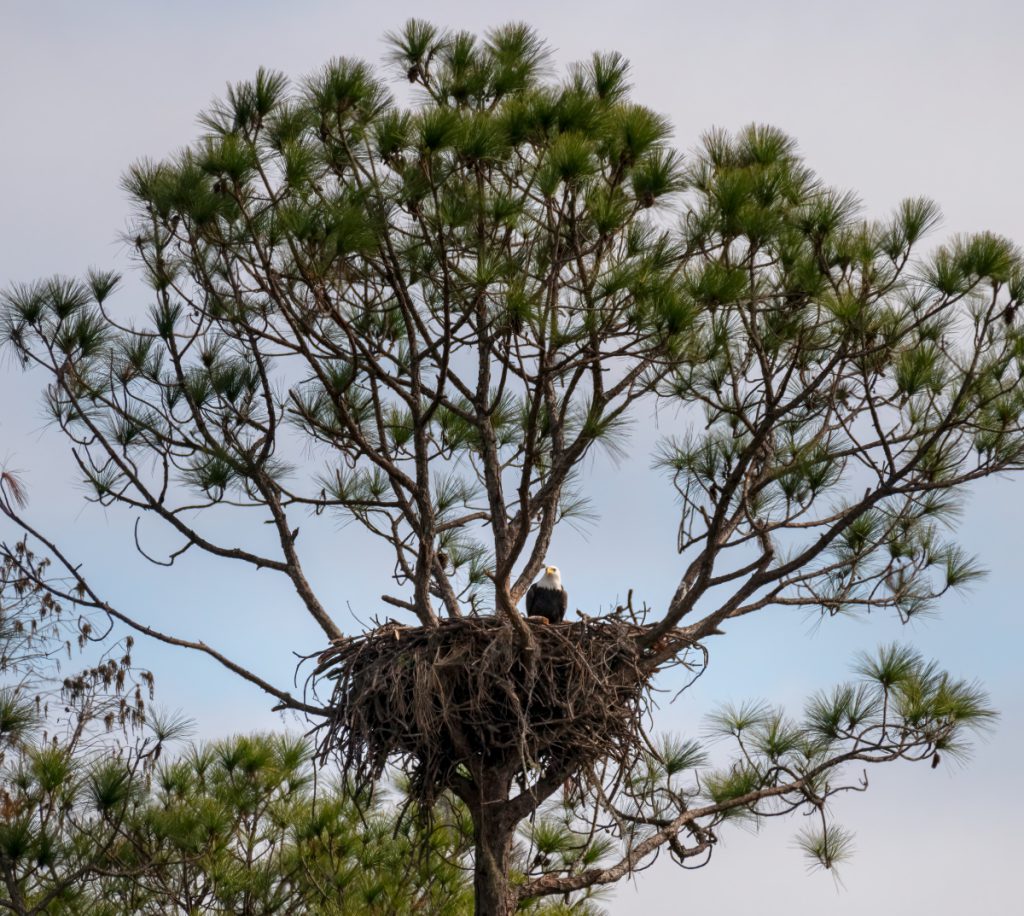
(494,827)
(492,836)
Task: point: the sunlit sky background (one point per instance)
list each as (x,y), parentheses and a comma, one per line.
(888,99)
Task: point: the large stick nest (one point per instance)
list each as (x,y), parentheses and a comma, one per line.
(466,694)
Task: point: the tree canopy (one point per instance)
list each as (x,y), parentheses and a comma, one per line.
(422,315)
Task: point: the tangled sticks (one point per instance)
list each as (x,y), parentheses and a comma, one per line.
(465,694)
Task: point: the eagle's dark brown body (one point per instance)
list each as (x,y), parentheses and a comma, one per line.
(547,602)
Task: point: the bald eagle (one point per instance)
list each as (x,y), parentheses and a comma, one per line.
(547,598)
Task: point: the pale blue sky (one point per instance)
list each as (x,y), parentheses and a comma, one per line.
(888,99)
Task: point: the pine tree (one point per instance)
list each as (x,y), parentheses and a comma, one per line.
(423,317)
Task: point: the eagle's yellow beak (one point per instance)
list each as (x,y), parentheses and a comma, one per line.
(549,569)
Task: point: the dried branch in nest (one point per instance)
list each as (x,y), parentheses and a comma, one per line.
(463,696)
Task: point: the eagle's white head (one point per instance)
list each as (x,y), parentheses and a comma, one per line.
(552,578)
